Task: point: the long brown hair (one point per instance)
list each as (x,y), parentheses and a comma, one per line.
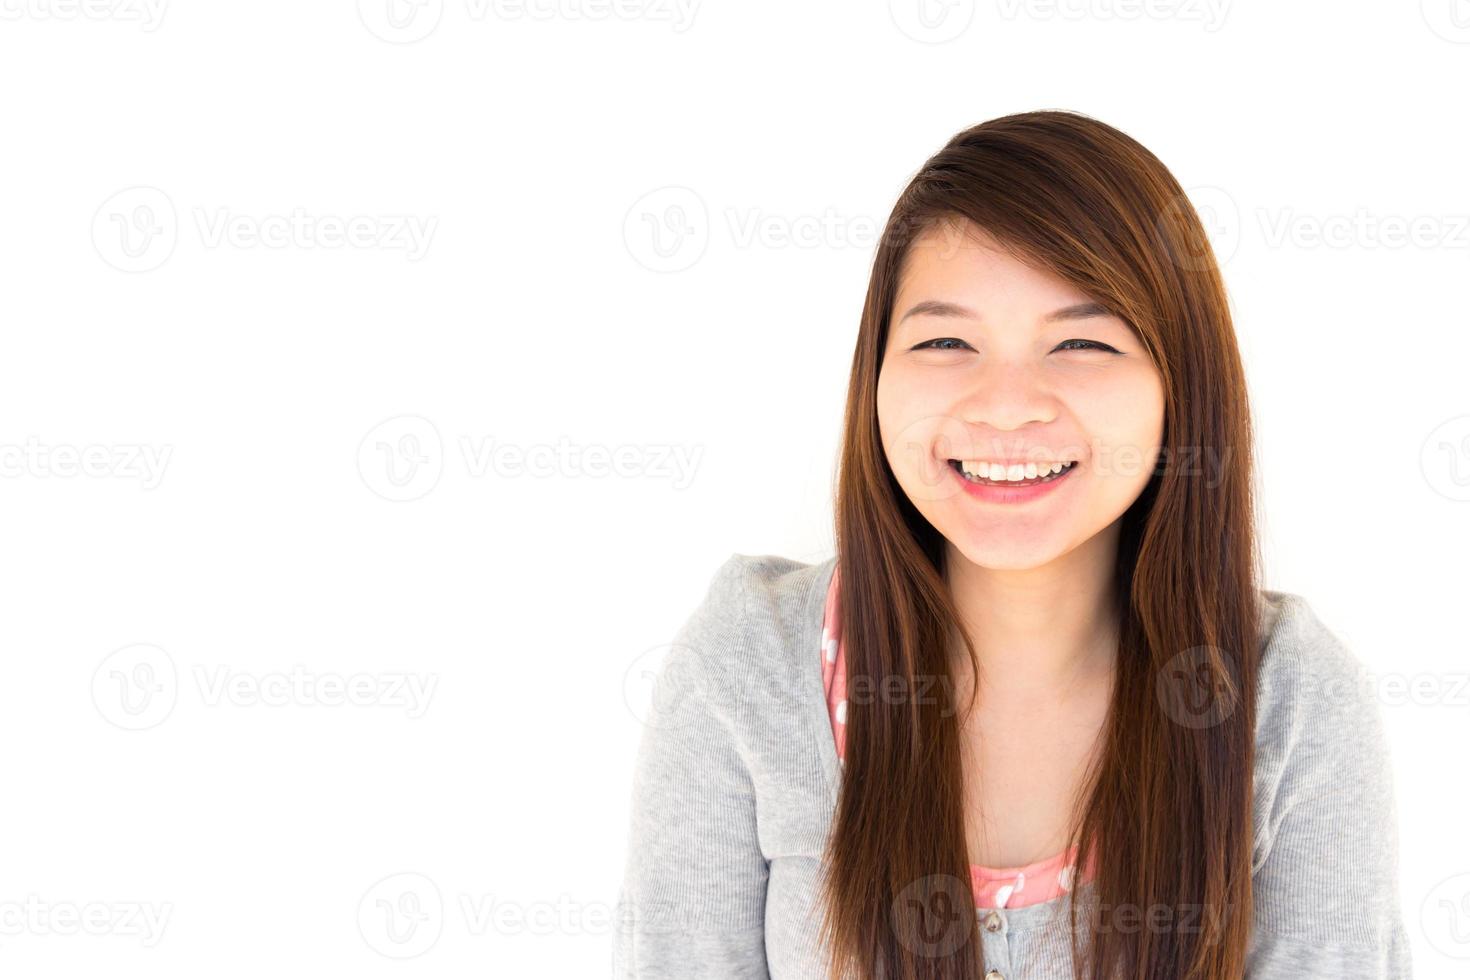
(1166,809)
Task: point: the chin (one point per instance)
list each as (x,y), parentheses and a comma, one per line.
(1000,556)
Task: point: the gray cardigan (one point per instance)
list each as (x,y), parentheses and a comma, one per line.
(736,781)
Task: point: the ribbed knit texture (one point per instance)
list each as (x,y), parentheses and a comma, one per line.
(736,783)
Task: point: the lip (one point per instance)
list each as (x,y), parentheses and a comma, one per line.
(1010,495)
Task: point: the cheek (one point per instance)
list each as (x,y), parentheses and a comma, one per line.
(1125,420)
(1149,413)
(906,391)
(899,400)
(912,426)
(884,398)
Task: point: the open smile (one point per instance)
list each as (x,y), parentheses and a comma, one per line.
(1010,483)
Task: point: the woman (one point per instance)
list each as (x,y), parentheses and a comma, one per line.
(1040,679)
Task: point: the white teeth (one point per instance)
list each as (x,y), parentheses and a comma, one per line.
(1016,471)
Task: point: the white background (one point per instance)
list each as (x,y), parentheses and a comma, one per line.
(178,181)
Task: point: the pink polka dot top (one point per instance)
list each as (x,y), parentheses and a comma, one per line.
(994,888)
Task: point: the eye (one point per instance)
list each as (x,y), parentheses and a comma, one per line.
(930,344)
(1091,345)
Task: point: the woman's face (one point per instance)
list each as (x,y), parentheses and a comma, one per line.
(986,362)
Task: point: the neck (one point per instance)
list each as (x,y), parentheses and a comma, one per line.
(1040,634)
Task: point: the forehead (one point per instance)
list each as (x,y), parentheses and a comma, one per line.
(963,263)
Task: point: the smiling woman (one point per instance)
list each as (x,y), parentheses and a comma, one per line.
(1041,678)
(1035,374)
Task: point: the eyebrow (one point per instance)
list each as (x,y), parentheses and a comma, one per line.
(937,307)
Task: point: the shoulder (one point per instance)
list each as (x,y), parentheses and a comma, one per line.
(1295,637)
(1306,672)
(1305,668)
(1324,865)
(1319,727)
(765,597)
(747,633)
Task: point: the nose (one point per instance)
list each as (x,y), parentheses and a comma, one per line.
(1006,395)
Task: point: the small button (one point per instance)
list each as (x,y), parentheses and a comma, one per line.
(994,975)
(992,921)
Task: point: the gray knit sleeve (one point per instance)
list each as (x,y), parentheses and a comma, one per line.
(1325,868)
(692,901)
